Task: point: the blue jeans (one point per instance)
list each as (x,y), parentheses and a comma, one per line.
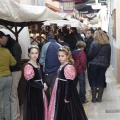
(82,86)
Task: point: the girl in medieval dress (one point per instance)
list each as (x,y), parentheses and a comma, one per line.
(65,103)
(35,105)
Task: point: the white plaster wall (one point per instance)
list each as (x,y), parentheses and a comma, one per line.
(113,41)
(104,19)
(118,24)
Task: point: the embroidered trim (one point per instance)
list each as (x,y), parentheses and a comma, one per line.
(38,80)
(29,79)
(51,110)
(45,106)
(62,79)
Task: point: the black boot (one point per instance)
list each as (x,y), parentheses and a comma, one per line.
(100,93)
(105,84)
(94,94)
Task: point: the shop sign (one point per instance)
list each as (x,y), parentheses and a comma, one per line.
(68,5)
(102,1)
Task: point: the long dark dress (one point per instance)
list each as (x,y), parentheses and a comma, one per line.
(64,88)
(35,105)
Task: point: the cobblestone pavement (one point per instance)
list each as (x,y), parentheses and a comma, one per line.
(109,108)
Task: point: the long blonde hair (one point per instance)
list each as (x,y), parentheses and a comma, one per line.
(67,51)
(100,37)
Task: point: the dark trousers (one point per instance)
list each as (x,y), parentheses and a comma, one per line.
(82,86)
(50,80)
(89,76)
(97,75)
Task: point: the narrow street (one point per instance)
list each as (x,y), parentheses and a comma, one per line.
(109,108)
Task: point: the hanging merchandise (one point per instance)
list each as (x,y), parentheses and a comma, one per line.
(68,5)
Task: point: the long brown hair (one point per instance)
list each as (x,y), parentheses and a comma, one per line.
(67,51)
(100,37)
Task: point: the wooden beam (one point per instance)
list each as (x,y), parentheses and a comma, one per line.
(20,29)
(10,29)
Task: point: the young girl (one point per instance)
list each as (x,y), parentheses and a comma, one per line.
(35,106)
(65,102)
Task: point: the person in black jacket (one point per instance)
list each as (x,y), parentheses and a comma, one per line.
(15,49)
(73,38)
(61,40)
(88,40)
(99,55)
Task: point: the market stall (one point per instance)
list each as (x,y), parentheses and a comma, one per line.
(61,23)
(13,14)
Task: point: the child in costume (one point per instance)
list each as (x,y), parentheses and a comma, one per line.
(65,103)
(35,105)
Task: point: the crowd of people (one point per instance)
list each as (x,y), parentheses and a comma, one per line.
(52,75)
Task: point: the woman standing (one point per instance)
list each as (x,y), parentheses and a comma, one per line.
(6,60)
(99,55)
(35,106)
(65,103)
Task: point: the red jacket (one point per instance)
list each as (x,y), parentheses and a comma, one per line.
(79,57)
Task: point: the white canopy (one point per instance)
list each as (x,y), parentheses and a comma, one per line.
(12,11)
(61,23)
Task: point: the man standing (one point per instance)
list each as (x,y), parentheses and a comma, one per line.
(50,62)
(15,49)
(88,40)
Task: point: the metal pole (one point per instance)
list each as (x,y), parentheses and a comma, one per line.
(16,32)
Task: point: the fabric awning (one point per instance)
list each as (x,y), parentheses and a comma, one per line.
(55,9)
(13,14)
(12,11)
